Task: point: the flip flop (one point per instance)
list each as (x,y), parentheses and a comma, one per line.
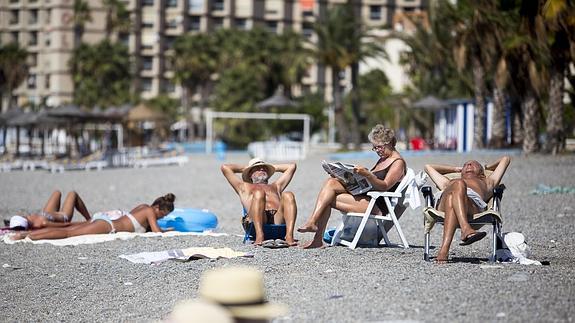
(281,243)
(269,244)
(474,237)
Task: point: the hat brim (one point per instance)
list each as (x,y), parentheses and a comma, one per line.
(263,311)
(246,174)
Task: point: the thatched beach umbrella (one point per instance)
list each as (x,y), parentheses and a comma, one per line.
(430,102)
(278,100)
(4,118)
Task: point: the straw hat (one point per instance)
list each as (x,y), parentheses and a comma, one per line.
(197,311)
(255,162)
(241,291)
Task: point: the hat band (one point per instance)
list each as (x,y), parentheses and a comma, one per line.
(259,302)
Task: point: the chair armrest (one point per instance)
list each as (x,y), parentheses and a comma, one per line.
(427,195)
(376,194)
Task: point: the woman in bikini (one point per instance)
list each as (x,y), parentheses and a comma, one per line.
(384,176)
(140,219)
(51,215)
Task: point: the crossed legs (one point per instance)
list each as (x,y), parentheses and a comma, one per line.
(456,206)
(331,195)
(286,213)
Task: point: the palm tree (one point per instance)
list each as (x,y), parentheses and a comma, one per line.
(560,23)
(195,60)
(81,17)
(13,71)
(290,61)
(117,17)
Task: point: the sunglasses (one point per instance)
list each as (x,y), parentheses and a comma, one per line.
(378,147)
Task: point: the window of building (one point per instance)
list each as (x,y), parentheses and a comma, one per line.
(408,9)
(33,39)
(14,37)
(307,13)
(47,39)
(218,22)
(196,5)
(240,23)
(14,17)
(169,86)
(32,1)
(31,82)
(172,23)
(147,24)
(375,12)
(147,63)
(149,3)
(195,23)
(124,39)
(48,16)
(33,17)
(146,84)
(172,3)
(169,41)
(147,46)
(272,26)
(218,5)
(307,30)
(14,1)
(47,81)
(32,60)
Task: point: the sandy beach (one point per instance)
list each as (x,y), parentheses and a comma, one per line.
(89,283)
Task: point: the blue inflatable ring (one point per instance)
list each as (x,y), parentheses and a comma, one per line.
(189,220)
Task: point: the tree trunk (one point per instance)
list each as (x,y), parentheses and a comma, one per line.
(357,118)
(498,120)
(555,131)
(186,105)
(340,121)
(517,133)
(479,89)
(530,122)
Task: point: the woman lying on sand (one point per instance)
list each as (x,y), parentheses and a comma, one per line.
(51,214)
(384,176)
(141,219)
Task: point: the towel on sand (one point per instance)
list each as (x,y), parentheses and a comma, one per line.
(184,255)
(97,238)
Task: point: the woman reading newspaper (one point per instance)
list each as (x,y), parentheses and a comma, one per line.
(384,176)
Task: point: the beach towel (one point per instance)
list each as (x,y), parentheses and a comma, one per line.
(97,238)
(184,255)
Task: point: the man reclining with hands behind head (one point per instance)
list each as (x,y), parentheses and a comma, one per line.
(265,203)
(463,197)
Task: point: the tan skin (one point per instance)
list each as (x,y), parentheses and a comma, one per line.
(61,216)
(333,193)
(146,215)
(256,198)
(455,203)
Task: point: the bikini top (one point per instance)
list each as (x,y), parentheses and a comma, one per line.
(380,174)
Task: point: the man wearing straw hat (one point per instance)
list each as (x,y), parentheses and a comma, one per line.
(264,202)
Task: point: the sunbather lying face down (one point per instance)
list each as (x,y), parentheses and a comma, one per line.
(461,198)
(52,215)
(140,219)
(384,176)
(265,202)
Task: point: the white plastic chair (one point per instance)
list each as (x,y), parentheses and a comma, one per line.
(395,205)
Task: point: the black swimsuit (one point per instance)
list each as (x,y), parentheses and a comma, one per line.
(380,174)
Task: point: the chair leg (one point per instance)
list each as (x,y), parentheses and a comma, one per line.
(426,247)
(398,228)
(493,242)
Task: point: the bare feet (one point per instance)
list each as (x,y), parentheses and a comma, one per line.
(313,244)
(258,242)
(441,258)
(291,242)
(307,228)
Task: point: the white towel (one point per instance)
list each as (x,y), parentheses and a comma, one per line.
(412,192)
(184,255)
(97,238)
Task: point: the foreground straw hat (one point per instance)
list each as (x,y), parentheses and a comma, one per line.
(197,311)
(241,291)
(255,162)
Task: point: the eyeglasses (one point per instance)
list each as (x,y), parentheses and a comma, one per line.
(378,147)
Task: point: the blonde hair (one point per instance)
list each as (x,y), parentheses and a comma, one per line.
(380,135)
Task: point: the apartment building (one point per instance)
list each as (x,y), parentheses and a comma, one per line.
(46,29)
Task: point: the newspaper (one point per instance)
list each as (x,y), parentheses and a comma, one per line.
(354,183)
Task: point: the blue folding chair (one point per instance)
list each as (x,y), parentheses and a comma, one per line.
(271,231)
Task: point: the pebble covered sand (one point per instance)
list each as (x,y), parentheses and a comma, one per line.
(90,283)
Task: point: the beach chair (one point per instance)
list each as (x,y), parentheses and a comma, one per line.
(491,216)
(396,204)
(271,231)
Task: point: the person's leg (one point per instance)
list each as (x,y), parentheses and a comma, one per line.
(53,204)
(326,197)
(95,227)
(287,214)
(256,214)
(449,226)
(343,202)
(461,207)
(81,207)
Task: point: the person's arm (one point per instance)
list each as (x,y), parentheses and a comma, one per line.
(229,171)
(288,171)
(499,167)
(152,220)
(436,173)
(394,175)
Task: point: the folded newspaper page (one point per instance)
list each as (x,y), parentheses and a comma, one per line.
(354,183)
